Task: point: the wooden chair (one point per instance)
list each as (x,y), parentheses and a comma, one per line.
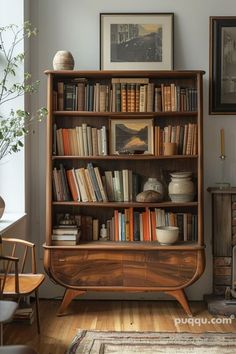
(15,281)
(7,309)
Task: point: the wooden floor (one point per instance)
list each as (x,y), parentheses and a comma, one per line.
(57,332)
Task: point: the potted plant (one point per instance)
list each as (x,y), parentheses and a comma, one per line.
(14,124)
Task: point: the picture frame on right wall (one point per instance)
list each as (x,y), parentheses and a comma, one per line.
(222,79)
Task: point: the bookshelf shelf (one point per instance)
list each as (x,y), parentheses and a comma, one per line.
(128,205)
(124,114)
(91,187)
(125,157)
(132,246)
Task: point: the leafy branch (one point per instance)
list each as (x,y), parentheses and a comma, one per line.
(16,124)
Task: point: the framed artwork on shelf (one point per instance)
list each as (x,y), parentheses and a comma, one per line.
(136,41)
(222,85)
(131,136)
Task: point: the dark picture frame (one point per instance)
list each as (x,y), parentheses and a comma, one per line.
(222,80)
(131,136)
(136,41)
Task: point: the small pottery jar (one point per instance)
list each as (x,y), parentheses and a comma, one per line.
(63,60)
(181,187)
(2,207)
(152,184)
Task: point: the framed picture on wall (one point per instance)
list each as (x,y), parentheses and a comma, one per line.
(131,136)
(222,83)
(136,41)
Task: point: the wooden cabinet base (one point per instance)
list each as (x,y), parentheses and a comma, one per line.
(70,294)
(84,269)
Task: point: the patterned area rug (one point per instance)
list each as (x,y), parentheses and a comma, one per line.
(96,342)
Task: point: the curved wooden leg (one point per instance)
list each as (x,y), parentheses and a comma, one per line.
(181,298)
(69,295)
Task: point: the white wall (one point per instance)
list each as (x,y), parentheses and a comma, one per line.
(74,25)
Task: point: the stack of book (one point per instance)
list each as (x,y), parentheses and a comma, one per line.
(88,185)
(65,235)
(185,136)
(24,315)
(124,95)
(82,140)
(131,225)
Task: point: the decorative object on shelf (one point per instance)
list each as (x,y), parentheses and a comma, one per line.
(169,149)
(181,187)
(63,60)
(67,220)
(131,135)
(167,235)
(103,232)
(149,196)
(132,41)
(2,207)
(222,184)
(152,184)
(222,88)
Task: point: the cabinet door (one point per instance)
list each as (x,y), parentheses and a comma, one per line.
(87,268)
(159,268)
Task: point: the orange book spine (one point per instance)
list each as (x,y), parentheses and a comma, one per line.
(146,226)
(72,185)
(153,226)
(66,143)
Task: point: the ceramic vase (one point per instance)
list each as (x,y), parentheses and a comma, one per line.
(181,187)
(152,184)
(2,207)
(63,60)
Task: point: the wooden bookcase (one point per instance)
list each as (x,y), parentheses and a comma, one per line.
(124,266)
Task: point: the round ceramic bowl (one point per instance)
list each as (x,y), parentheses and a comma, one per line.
(167,235)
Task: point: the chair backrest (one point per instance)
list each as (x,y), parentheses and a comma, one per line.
(15,254)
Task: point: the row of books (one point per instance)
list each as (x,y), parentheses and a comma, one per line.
(129,225)
(82,140)
(185,136)
(85,140)
(88,185)
(124,95)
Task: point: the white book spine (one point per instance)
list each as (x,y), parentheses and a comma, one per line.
(81,143)
(85,140)
(104,140)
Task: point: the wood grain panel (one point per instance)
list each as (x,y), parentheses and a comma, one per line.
(123,268)
(171,268)
(134,268)
(159,268)
(87,268)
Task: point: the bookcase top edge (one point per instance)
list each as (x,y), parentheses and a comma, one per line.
(125,73)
